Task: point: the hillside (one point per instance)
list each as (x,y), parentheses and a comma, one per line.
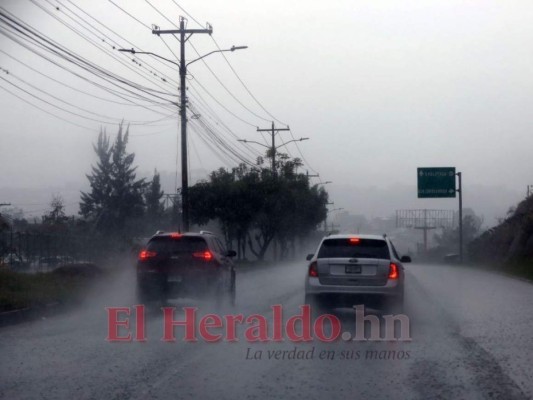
(510,243)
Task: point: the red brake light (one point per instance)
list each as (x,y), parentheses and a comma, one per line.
(355,240)
(393,271)
(175,235)
(206,255)
(313,269)
(146,254)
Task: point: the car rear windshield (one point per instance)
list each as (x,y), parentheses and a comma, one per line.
(354,248)
(177,245)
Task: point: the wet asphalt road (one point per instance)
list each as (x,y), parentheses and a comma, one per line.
(471,339)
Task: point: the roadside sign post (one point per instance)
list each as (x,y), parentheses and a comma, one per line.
(440,182)
(460,191)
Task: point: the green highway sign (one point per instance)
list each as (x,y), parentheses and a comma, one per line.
(436,182)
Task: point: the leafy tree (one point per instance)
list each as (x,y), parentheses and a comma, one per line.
(56,217)
(152,198)
(95,204)
(116,194)
(472,223)
(256,207)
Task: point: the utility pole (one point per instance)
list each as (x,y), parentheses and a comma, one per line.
(273,131)
(184,35)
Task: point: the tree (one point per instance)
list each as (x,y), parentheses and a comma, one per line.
(472,223)
(56,216)
(255,207)
(95,205)
(152,197)
(116,194)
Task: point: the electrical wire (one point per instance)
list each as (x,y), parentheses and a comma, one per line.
(70,57)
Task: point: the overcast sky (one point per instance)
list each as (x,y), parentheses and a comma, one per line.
(379,87)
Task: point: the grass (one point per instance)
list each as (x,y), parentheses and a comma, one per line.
(64,285)
(522,270)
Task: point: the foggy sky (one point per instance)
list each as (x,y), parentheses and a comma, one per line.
(379,87)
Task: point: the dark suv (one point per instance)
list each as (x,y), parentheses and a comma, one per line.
(185,265)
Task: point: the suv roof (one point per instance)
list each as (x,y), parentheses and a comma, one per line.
(351,235)
(189,234)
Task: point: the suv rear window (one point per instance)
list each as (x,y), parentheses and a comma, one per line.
(345,248)
(183,244)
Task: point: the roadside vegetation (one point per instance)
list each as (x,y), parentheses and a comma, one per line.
(64,285)
(508,247)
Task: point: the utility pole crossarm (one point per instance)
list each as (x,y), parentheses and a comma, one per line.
(185,31)
(273,147)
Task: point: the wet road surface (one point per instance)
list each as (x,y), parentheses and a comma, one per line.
(470,339)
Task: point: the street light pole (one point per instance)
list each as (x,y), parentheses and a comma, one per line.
(183,120)
(183,102)
(184,35)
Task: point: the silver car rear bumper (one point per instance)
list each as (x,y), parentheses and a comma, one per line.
(391,288)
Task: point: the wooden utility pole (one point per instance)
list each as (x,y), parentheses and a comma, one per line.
(184,35)
(273,132)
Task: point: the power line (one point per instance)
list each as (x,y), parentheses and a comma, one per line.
(186,13)
(102,87)
(226,88)
(97,45)
(166,77)
(246,87)
(64,84)
(105,38)
(67,55)
(127,13)
(116,120)
(46,111)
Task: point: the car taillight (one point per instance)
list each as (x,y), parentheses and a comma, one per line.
(146,254)
(313,269)
(393,271)
(205,255)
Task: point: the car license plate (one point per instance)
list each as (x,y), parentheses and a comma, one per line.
(353,269)
(175,278)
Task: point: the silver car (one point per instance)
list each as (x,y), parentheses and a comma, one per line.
(350,269)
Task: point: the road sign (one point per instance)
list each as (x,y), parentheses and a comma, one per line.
(436,182)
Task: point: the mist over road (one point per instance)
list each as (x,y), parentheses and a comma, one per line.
(471,338)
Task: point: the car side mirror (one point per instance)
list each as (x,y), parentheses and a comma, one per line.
(231,253)
(405,259)
(309,256)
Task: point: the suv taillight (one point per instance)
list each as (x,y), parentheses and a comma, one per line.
(313,269)
(393,271)
(205,255)
(146,254)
